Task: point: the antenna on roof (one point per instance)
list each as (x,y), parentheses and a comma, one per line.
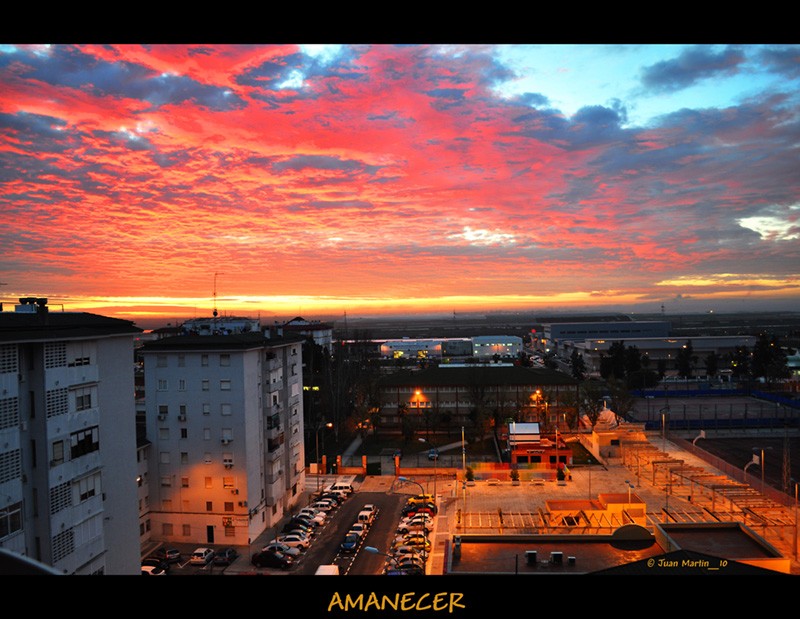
(215,293)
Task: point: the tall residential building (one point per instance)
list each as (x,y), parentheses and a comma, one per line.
(67,439)
(224,416)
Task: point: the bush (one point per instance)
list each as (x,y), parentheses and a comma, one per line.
(470,474)
(514,475)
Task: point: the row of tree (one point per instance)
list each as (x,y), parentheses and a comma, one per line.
(628,364)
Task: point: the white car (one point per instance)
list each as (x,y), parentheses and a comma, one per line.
(360,528)
(317,516)
(292,551)
(323,506)
(418,518)
(407,527)
(293,541)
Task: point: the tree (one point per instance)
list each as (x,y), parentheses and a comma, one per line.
(769,361)
(590,398)
(711,363)
(578,365)
(621,401)
(685,360)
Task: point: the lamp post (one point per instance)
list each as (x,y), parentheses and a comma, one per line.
(435,462)
(761,464)
(375,551)
(664,412)
(411,481)
(327,425)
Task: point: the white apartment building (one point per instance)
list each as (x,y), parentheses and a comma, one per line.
(224,418)
(67,440)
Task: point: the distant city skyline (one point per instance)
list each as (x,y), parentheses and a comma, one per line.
(160,182)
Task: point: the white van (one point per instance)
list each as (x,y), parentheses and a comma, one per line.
(327,570)
(365,516)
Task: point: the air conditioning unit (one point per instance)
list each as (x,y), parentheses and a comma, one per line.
(181,417)
(235,491)
(229,465)
(225,441)
(162,417)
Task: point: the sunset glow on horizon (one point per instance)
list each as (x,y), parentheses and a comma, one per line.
(159,182)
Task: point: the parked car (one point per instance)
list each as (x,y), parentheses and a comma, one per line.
(370,507)
(278,547)
(201,556)
(170,555)
(360,528)
(323,505)
(413,539)
(412,551)
(152,570)
(295,525)
(294,540)
(310,522)
(156,562)
(422,509)
(270,558)
(426,526)
(417,518)
(225,556)
(411,508)
(350,542)
(310,512)
(421,498)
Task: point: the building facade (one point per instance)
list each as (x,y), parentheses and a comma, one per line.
(67,430)
(451,395)
(225,425)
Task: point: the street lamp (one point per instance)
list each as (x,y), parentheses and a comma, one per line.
(411,481)
(664,412)
(327,425)
(375,551)
(435,462)
(761,464)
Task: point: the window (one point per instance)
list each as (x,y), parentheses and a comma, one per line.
(206,409)
(184,457)
(227,482)
(209,506)
(181,384)
(184,482)
(224,360)
(208,482)
(225,385)
(83,399)
(184,432)
(163,457)
(204,360)
(207,458)
(166,529)
(205,385)
(58,453)
(161,361)
(228,506)
(163,409)
(166,480)
(163,384)
(182,410)
(187,530)
(225,409)
(181,361)
(84,442)
(294,369)
(206,434)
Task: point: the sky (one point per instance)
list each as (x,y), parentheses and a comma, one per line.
(160,182)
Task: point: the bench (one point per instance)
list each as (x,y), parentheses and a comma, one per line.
(493,481)
(538,482)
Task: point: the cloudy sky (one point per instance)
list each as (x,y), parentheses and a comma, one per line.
(322,180)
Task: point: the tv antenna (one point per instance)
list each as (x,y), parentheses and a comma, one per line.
(215,293)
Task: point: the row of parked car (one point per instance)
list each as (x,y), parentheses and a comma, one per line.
(357,532)
(160,562)
(299,531)
(411,548)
